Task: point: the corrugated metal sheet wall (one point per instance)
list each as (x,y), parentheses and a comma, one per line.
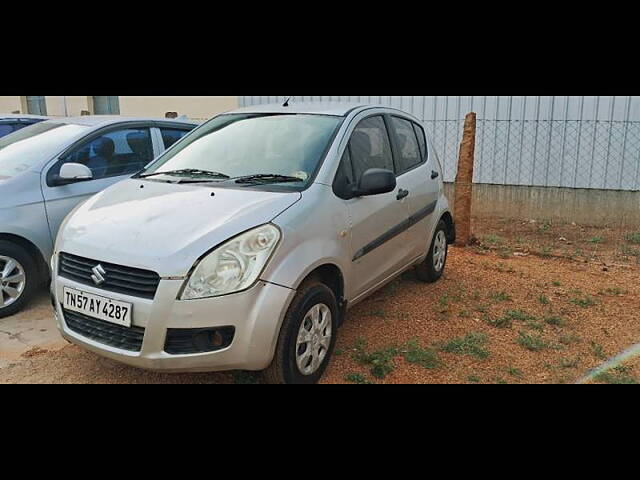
(568,141)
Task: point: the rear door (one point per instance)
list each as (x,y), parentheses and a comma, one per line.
(416,177)
(112,154)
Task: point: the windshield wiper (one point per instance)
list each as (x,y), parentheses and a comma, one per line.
(188,172)
(267,178)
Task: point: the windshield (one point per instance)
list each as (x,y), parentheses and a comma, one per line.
(23,149)
(280,148)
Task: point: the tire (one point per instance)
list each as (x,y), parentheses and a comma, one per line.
(284,367)
(25,266)
(430,270)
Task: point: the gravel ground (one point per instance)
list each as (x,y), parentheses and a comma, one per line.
(530,320)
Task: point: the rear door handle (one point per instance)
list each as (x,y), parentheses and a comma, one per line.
(402,193)
(434,174)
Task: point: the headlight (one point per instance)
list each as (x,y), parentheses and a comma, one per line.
(234,265)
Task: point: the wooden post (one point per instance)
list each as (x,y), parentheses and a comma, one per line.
(464,181)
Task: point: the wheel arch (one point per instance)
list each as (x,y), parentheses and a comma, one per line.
(31,248)
(331,275)
(447,218)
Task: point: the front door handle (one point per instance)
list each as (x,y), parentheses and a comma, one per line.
(402,193)
(434,174)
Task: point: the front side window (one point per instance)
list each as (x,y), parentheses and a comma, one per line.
(33,145)
(119,152)
(408,149)
(242,145)
(370,146)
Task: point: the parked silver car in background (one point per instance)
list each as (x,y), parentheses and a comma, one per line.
(10,123)
(46,169)
(243,245)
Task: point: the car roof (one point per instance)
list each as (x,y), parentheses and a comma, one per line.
(103,120)
(318,108)
(17,116)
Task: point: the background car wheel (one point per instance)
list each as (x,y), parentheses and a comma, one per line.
(18,278)
(307,336)
(432,267)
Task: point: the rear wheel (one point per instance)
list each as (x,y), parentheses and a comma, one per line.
(433,265)
(18,278)
(307,336)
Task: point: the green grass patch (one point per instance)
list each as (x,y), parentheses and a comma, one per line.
(616,378)
(380,362)
(584,302)
(533,325)
(357,378)
(597,350)
(633,238)
(519,315)
(569,362)
(425,357)
(514,372)
(534,343)
(473,379)
(500,296)
(568,338)
(554,320)
(595,240)
(543,299)
(493,240)
(556,283)
(471,344)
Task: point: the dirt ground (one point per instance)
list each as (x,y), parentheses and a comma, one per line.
(529,303)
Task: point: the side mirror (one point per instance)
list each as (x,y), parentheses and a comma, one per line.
(375,181)
(73,172)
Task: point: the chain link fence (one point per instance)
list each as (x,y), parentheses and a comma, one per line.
(550,153)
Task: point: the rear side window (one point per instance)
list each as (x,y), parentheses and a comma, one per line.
(422,141)
(171,135)
(409,154)
(370,146)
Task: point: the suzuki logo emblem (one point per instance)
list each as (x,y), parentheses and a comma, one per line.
(98,275)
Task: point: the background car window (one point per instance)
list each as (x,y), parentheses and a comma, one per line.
(370,147)
(5,129)
(409,151)
(119,152)
(172,135)
(422,141)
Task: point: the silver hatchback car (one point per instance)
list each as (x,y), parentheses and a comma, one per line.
(47,168)
(243,245)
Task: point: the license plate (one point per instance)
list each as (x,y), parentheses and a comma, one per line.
(97,306)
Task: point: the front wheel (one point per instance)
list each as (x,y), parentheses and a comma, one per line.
(432,267)
(307,336)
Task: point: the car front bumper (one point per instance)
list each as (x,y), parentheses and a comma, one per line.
(256,314)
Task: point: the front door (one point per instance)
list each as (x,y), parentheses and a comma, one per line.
(112,156)
(378,238)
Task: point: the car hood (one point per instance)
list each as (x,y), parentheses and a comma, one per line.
(164,227)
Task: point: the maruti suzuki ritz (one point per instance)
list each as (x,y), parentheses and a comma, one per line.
(243,245)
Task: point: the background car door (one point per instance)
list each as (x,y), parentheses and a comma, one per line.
(414,176)
(378,243)
(112,156)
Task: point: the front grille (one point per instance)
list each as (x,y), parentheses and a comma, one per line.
(127,280)
(126,338)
